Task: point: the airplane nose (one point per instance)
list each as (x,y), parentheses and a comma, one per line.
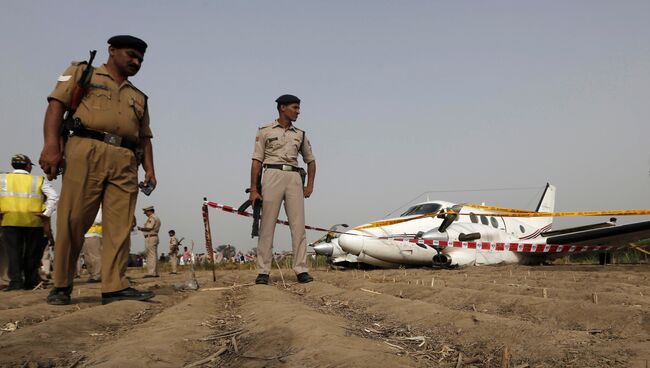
(352,242)
(324,249)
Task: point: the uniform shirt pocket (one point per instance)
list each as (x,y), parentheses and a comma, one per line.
(99,99)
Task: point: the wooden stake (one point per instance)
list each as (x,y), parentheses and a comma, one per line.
(545,293)
(505,358)
(433,280)
(594,297)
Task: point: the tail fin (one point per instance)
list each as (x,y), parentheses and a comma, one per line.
(546,204)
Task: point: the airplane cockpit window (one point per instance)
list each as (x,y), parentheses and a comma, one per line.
(484,220)
(422,209)
(473,218)
(494,222)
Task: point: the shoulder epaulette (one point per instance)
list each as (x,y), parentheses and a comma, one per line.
(265,126)
(138,89)
(77,63)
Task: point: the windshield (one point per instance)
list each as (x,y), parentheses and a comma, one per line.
(422,209)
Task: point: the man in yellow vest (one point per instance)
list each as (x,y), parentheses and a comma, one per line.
(92,249)
(22,199)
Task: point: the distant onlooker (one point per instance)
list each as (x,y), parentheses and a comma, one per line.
(187,256)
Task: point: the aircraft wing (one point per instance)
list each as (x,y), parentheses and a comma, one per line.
(615,236)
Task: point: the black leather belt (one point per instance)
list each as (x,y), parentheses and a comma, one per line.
(149,235)
(281,167)
(112,139)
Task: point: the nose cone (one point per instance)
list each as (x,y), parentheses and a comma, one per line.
(352,242)
(324,249)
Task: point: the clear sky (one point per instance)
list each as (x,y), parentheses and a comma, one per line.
(399,98)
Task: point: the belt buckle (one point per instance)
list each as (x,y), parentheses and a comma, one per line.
(287,168)
(112,139)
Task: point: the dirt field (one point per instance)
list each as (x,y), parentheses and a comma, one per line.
(551,316)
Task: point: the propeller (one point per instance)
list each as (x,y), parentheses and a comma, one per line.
(330,235)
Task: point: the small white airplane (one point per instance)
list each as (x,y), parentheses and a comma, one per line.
(462,235)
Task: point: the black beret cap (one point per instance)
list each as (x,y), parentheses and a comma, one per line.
(125,41)
(287,100)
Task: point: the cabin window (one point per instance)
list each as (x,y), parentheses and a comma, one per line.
(484,220)
(473,218)
(521,227)
(494,222)
(422,209)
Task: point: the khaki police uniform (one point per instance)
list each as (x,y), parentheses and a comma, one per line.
(98,172)
(277,145)
(173,252)
(150,231)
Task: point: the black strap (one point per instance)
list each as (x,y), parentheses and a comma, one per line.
(101,136)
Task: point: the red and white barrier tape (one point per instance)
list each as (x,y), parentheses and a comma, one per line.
(512,247)
(230,209)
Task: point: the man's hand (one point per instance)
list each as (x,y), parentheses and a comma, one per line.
(150,178)
(254,196)
(47,229)
(308,190)
(50,160)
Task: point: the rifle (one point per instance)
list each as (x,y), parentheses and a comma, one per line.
(78,92)
(257,209)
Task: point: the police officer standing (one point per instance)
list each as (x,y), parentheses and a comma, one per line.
(111,123)
(277,146)
(173,251)
(151,240)
(23,220)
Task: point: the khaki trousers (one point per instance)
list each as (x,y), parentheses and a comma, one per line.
(96,172)
(92,250)
(279,186)
(173,260)
(151,247)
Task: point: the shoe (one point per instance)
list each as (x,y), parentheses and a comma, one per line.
(262,279)
(94,281)
(126,294)
(2,287)
(12,288)
(59,296)
(304,278)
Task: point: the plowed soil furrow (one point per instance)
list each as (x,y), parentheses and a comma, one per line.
(569,316)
